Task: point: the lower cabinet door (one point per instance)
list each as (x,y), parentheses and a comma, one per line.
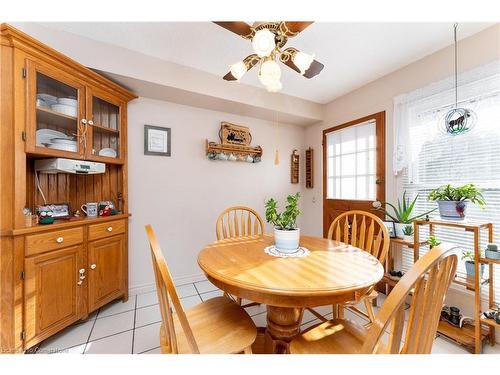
(53,292)
(106,259)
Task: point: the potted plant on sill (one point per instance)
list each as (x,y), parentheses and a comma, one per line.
(468,256)
(286,233)
(402,215)
(453,201)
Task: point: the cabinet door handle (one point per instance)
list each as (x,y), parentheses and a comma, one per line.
(84,121)
(82,271)
(59,239)
(90,122)
(110,229)
(93,266)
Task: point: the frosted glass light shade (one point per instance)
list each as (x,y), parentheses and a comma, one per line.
(238,69)
(269,72)
(263,42)
(274,86)
(302,61)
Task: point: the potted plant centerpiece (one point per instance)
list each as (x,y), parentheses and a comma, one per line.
(286,233)
(402,215)
(468,256)
(452,202)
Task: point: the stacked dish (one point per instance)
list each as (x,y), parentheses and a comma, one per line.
(55,139)
(66,106)
(108,152)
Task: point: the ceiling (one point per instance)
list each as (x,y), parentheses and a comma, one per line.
(353,53)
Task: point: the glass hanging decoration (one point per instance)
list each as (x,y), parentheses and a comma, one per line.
(457,120)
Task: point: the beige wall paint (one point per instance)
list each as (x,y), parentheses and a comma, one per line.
(481,48)
(182,195)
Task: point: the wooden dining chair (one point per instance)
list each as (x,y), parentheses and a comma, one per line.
(216,326)
(235,222)
(366,231)
(425,285)
(238,221)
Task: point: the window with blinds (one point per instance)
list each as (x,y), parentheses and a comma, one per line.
(441,159)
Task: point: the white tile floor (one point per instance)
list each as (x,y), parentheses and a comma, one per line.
(133,327)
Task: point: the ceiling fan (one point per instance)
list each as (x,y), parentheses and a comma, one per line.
(268,40)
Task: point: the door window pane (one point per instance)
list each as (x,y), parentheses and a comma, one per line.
(351,160)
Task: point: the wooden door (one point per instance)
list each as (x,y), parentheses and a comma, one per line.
(106,282)
(53,294)
(353,167)
(55,112)
(107,133)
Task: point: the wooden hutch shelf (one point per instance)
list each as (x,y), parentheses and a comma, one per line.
(81,262)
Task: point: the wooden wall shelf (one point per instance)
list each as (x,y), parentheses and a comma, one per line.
(213,147)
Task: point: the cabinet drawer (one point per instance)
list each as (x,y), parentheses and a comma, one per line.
(110,228)
(40,243)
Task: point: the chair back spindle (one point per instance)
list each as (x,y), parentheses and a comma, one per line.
(426,284)
(363,230)
(238,221)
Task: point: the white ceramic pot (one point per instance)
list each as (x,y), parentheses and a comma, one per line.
(452,210)
(399,229)
(287,241)
(408,238)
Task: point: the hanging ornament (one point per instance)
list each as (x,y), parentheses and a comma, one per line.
(457,120)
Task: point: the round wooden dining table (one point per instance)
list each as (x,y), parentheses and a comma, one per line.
(332,273)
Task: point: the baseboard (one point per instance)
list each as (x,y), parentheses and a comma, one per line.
(150,287)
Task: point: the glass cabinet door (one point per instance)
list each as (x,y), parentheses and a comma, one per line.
(105,125)
(54,109)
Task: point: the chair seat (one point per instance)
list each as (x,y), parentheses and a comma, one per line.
(219,326)
(337,336)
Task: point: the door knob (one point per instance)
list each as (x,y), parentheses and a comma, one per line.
(82,271)
(93,266)
(91,122)
(84,121)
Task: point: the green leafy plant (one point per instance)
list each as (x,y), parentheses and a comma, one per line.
(449,193)
(403,212)
(433,241)
(408,230)
(288,218)
(468,256)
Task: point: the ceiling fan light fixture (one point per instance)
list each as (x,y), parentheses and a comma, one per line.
(269,73)
(302,61)
(238,69)
(263,42)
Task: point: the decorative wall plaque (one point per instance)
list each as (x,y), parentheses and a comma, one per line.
(231,134)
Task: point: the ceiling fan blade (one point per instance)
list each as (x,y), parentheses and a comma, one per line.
(250,61)
(291,29)
(243,29)
(315,68)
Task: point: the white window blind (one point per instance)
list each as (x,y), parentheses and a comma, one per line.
(435,159)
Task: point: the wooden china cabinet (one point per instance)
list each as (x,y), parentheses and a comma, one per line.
(53,275)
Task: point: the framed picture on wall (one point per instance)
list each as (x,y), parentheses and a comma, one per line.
(157,140)
(391,228)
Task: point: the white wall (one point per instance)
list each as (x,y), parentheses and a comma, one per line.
(182,195)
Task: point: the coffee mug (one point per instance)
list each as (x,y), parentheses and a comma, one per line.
(90,209)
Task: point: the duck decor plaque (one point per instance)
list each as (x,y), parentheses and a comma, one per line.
(231,134)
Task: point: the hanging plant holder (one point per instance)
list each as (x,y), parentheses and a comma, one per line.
(457,120)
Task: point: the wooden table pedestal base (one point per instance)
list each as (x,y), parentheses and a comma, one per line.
(283,324)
